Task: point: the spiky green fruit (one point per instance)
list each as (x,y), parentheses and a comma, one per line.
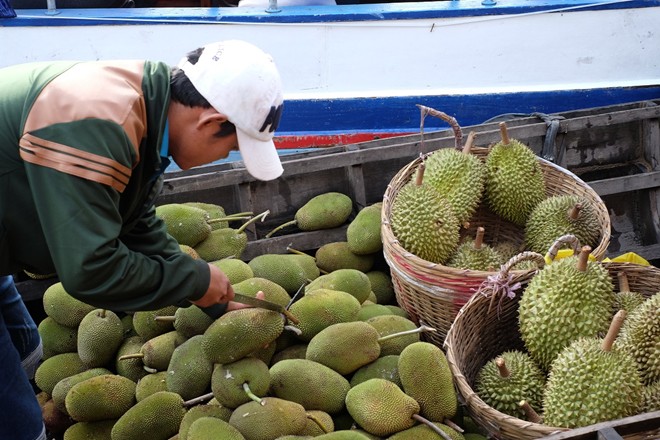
(353,281)
(229,380)
(514,181)
(562,303)
(469,256)
(424,222)
(589,385)
(187,224)
(508,379)
(460,177)
(269,419)
(324,211)
(561,215)
(100,334)
(363,233)
(156,417)
(640,336)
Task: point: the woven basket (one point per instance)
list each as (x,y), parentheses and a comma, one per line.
(484,328)
(433,293)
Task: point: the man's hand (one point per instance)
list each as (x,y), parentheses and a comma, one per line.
(219,291)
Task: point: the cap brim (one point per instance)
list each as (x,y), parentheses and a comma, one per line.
(260,157)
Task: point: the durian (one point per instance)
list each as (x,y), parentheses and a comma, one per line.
(624,298)
(475,254)
(423,221)
(514,179)
(509,378)
(591,381)
(459,176)
(560,215)
(570,298)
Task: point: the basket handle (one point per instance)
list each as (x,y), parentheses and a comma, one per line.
(502,283)
(570,239)
(458,134)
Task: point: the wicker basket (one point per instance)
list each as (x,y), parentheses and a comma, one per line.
(433,293)
(484,328)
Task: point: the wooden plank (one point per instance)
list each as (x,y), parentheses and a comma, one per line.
(618,185)
(648,252)
(303,241)
(637,424)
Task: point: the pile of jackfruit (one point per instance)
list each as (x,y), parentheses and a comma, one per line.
(353,365)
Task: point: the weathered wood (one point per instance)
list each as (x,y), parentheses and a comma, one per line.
(616,185)
(629,425)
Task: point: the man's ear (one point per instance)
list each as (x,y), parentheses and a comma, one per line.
(210,116)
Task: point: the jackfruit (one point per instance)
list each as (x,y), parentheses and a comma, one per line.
(226,242)
(197,412)
(215,212)
(100,334)
(423,221)
(235,269)
(238,333)
(211,428)
(345,434)
(590,382)
(560,215)
(64,308)
(189,371)
(269,419)
(150,384)
(234,383)
(63,386)
(640,336)
(296,351)
(381,285)
(393,324)
(130,368)
(380,407)
(318,423)
(103,397)
(353,281)
(321,308)
(187,224)
(57,338)
(514,179)
(156,417)
(424,432)
(56,368)
(283,269)
(190,251)
(337,255)
(188,321)
(90,430)
(311,384)
(385,367)
(147,326)
(426,377)
(273,292)
(363,233)
(324,211)
(157,352)
(459,176)
(368,311)
(509,378)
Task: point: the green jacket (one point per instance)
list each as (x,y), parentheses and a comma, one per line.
(80,168)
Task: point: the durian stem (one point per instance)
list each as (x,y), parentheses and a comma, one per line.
(261,217)
(431,425)
(251,395)
(318,422)
(504,134)
(531,415)
(583,258)
(479,238)
(420,329)
(613,331)
(458,134)
(469,143)
(200,399)
(419,177)
(624,286)
(170,318)
(280,227)
(131,356)
(574,213)
(501,366)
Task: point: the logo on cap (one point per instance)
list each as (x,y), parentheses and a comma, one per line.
(273,118)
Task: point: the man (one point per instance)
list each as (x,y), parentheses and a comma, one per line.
(83,146)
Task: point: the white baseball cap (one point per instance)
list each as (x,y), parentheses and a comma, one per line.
(242,82)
